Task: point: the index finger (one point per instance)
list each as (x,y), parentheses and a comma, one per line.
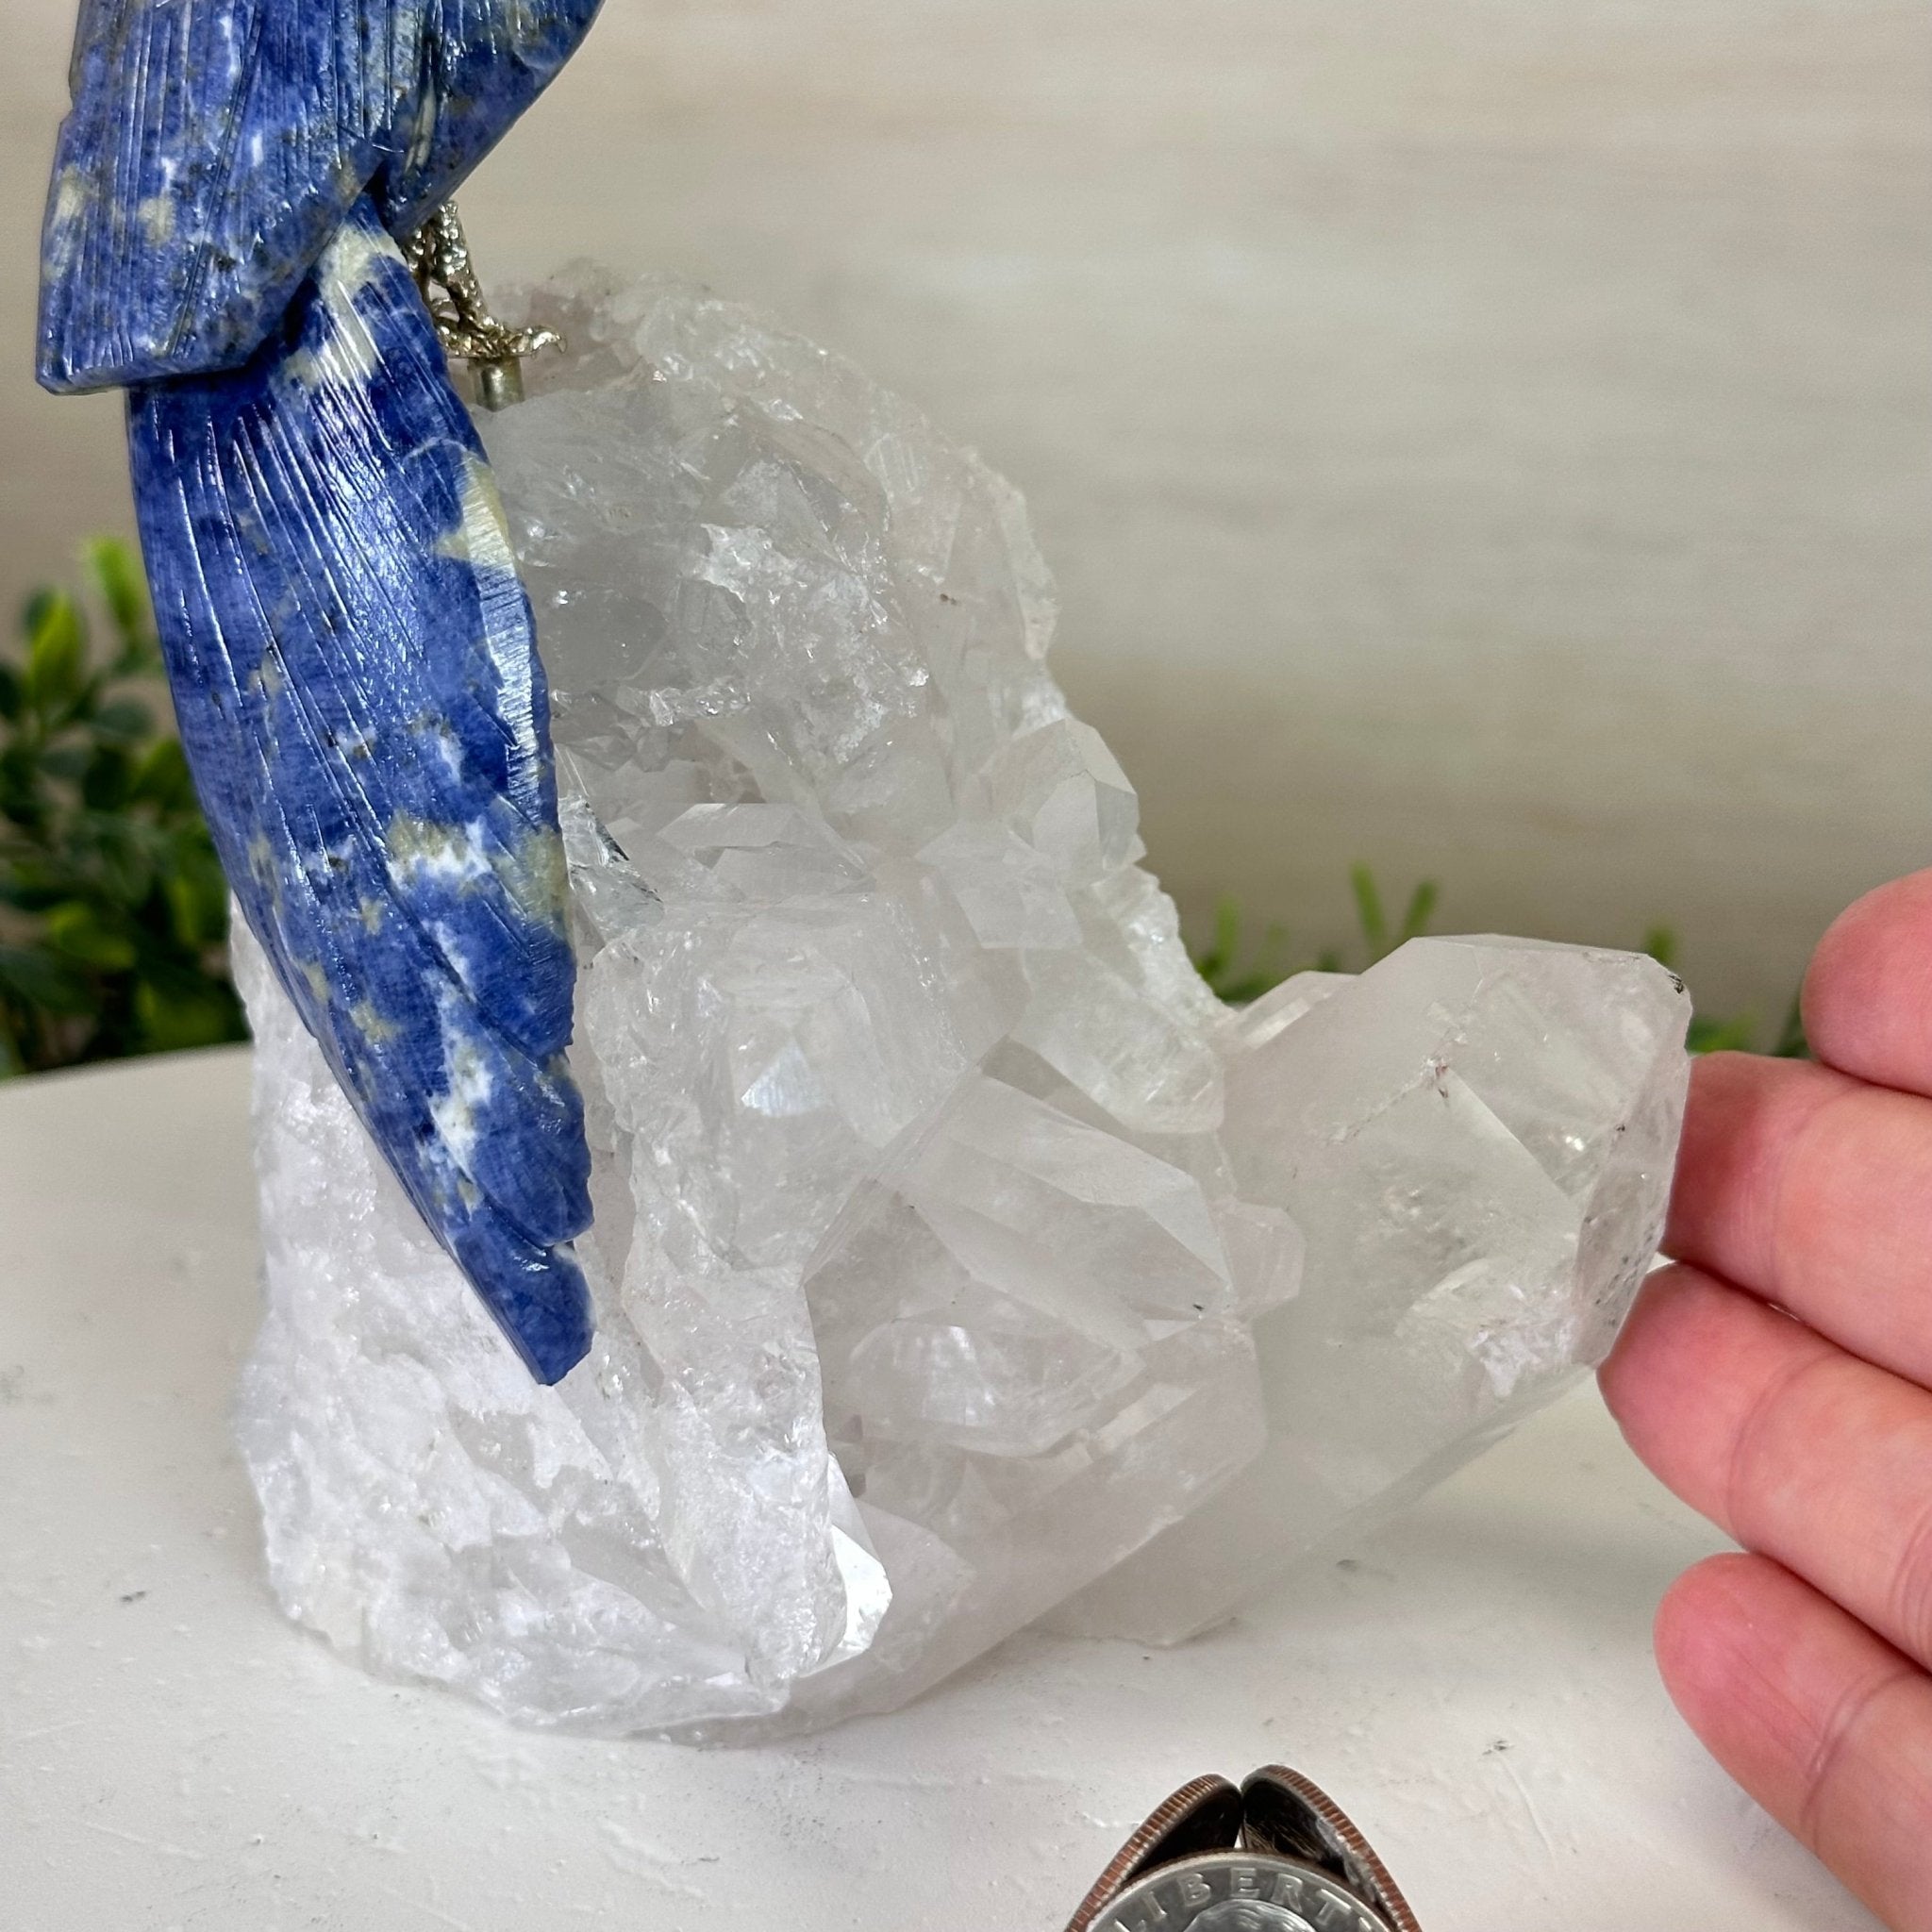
(1813,1191)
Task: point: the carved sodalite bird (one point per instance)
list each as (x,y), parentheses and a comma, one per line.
(351,650)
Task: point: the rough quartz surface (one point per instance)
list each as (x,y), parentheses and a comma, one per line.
(949,1236)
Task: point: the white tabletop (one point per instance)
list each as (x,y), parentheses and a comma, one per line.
(1475,1684)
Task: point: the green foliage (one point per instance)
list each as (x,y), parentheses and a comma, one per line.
(1377,937)
(113,910)
(1237,972)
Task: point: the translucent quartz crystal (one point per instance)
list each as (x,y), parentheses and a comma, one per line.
(941,1211)
(1473,1139)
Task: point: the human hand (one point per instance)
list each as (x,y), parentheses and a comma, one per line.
(1776,1377)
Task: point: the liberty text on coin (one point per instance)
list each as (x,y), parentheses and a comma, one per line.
(1238,1891)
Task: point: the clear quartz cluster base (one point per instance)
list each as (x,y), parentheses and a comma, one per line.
(957,1257)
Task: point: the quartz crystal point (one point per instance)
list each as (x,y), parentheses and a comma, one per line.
(939,1206)
(1473,1138)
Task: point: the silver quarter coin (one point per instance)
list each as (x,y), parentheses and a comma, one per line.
(1239,1891)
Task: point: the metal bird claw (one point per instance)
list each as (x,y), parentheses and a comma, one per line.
(438,257)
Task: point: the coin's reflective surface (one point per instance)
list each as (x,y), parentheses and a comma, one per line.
(1236,1891)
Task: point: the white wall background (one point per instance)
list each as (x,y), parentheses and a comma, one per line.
(1488,437)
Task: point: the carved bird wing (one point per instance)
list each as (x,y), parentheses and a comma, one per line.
(214,147)
(358,688)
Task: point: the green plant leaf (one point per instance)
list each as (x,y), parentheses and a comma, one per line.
(125,720)
(66,762)
(1792,1043)
(108,780)
(76,931)
(56,658)
(162,780)
(35,608)
(1222,966)
(1420,909)
(115,906)
(1214,963)
(170,1022)
(118,579)
(1368,909)
(20,800)
(1379,941)
(197,897)
(25,893)
(35,978)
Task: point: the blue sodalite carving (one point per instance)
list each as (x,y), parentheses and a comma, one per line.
(213,149)
(354,666)
(351,650)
